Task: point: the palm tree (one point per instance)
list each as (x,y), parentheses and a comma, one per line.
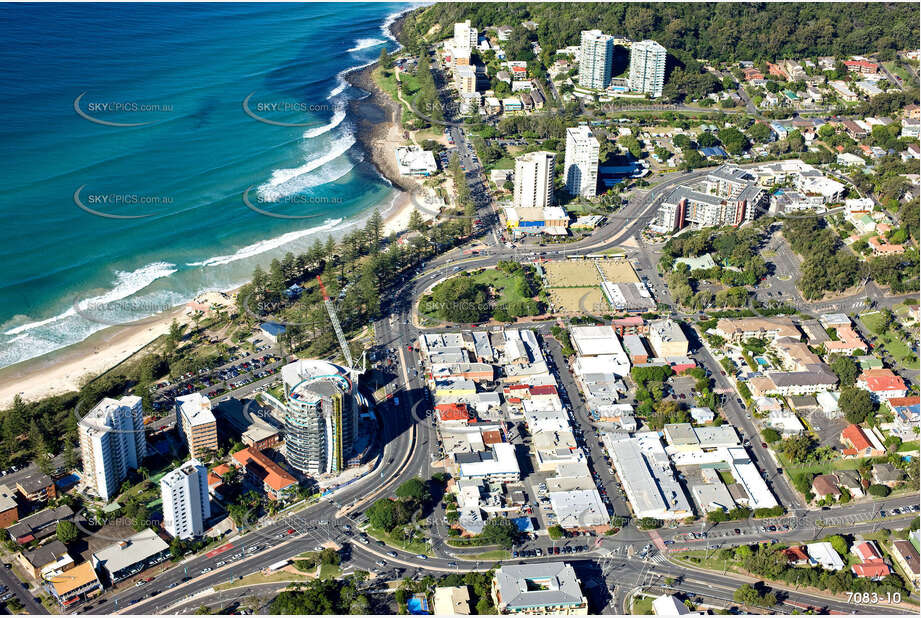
(144,473)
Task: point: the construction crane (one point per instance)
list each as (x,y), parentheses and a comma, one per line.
(331,310)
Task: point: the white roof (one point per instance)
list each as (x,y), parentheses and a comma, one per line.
(579,508)
(132,550)
(503,462)
(595,340)
(196,408)
(668,605)
(825,555)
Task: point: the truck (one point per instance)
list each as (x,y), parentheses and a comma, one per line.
(277,565)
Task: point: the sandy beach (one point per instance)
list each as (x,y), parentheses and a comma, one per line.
(67,369)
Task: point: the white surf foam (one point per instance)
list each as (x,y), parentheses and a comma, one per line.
(361,44)
(335,121)
(126,284)
(266,245)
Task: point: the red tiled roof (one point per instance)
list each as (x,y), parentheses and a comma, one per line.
(873,568)
(854,435)
(543,389)
(897,402)
(867,552)
(882,380)
(795,554)
(453,411)
(275,476)
(492,436)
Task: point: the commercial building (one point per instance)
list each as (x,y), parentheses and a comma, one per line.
(185,500)
(112,442)
(538,588)
(264,475)
(498,464)
(534,180)
(131,556)
(77,584)
(196,424)
(246,422)
(579,509)
(667,339)
(321,416)
(414,161)
(628,296)
(596,54)
(580,167)
(645,472)
(647,67)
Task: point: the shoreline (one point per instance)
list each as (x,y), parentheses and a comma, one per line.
(67,369)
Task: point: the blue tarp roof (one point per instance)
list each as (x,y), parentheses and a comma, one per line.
(524,524)
(714,151)
(272,328)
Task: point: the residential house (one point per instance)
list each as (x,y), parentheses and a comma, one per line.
(906,557)
(824,485)
(886,474)
(860,443)
(883,383)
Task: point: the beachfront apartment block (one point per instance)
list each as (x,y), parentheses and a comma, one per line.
(580,167)
(465,80)
(596,54)
(112,442)
(465,39)
(647,67)
(185,500)
(534,180)
(196,424)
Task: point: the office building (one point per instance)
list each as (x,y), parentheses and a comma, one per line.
(647,67)
(580,166)
(596,54)
(129,557)
(196,424)
(321,416)
(534,180)
(112,442)
(538,588)
(185,500)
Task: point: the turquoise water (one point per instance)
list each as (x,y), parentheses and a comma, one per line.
(76,74)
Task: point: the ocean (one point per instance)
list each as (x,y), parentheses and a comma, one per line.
(156,151)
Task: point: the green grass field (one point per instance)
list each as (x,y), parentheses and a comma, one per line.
(496,554)
(416,547)
(890,341)
(642,606)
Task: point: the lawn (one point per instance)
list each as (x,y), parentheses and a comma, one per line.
(505,163)
(260,578)
(496,554)
(712,563)
(329,571)
(727,477)
(893,344)
(825,467)
(504,285)
(642,606)
(908,447)
(416,547)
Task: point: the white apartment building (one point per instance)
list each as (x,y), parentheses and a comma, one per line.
(465,80)
(534,180)
(185,500)
(647,67)
(465,39)
(112,442)
(596,53)
(581,162)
